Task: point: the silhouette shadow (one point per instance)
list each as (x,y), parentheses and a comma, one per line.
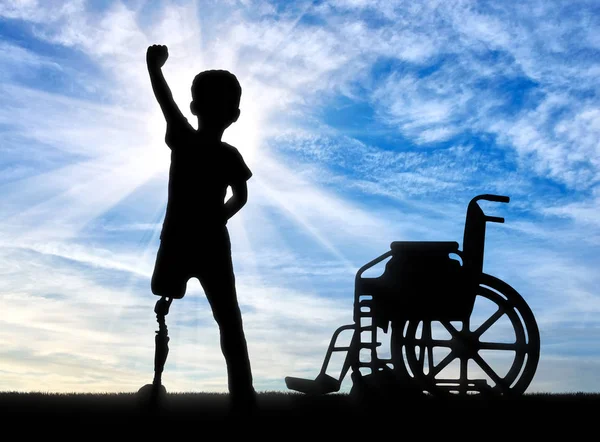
(423,285)
(195,242)
(427,298)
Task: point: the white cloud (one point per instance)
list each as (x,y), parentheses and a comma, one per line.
(563,148)
(15,58)
(39,12)
(83,336)
(583,217)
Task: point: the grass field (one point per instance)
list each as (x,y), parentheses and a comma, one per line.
(334,413)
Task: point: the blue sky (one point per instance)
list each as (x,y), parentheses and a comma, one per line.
(364,122)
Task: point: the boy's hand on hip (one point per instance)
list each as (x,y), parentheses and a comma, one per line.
(156,56)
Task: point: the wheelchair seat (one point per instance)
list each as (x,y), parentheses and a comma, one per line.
(424,247)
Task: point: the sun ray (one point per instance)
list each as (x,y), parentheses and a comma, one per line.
(143,259)
(304,223)
(97,186)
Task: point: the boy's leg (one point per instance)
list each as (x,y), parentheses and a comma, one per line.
(161,351)
(218,282)
(169,282)
(162,338)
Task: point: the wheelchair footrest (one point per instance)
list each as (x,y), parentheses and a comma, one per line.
(322,384)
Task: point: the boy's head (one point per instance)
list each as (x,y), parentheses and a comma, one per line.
(216,98)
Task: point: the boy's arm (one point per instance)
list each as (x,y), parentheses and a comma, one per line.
(238,182)
(238,199)
(156,56)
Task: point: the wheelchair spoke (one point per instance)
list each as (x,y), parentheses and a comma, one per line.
(451,329)
(490,321)
(443,364)
(430,357)
(427,333)
(426,344)
(498,346)
(421,356)
(441,343)
(447,343)
(489,371)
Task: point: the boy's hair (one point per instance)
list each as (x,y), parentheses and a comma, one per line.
(217,85)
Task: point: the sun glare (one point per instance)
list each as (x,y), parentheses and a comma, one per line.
(156,158)
(244,134)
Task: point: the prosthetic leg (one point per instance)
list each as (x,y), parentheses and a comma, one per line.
(162,339)
(151,392)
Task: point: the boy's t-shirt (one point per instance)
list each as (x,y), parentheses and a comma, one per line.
(198,179)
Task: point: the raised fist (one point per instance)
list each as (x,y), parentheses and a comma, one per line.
(157,55)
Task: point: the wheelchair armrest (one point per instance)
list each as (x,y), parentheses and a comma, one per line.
(372,263)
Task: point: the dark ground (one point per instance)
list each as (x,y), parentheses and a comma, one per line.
(293,414)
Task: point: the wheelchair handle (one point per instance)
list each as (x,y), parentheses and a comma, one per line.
(494,198)
(488,197)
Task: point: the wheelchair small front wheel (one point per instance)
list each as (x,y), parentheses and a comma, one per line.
(495,351)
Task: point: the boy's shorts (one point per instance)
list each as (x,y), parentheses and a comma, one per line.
(178,260)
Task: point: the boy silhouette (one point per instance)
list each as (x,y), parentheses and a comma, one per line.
(194,241)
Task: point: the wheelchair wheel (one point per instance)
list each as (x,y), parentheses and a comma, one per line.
(495,353)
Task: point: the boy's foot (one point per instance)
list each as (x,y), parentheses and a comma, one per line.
(244,405)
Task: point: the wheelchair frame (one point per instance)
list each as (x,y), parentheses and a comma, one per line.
(412,367)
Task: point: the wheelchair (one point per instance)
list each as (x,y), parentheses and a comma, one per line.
(426,298)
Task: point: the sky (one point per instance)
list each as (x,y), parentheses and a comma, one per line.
(363,121)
